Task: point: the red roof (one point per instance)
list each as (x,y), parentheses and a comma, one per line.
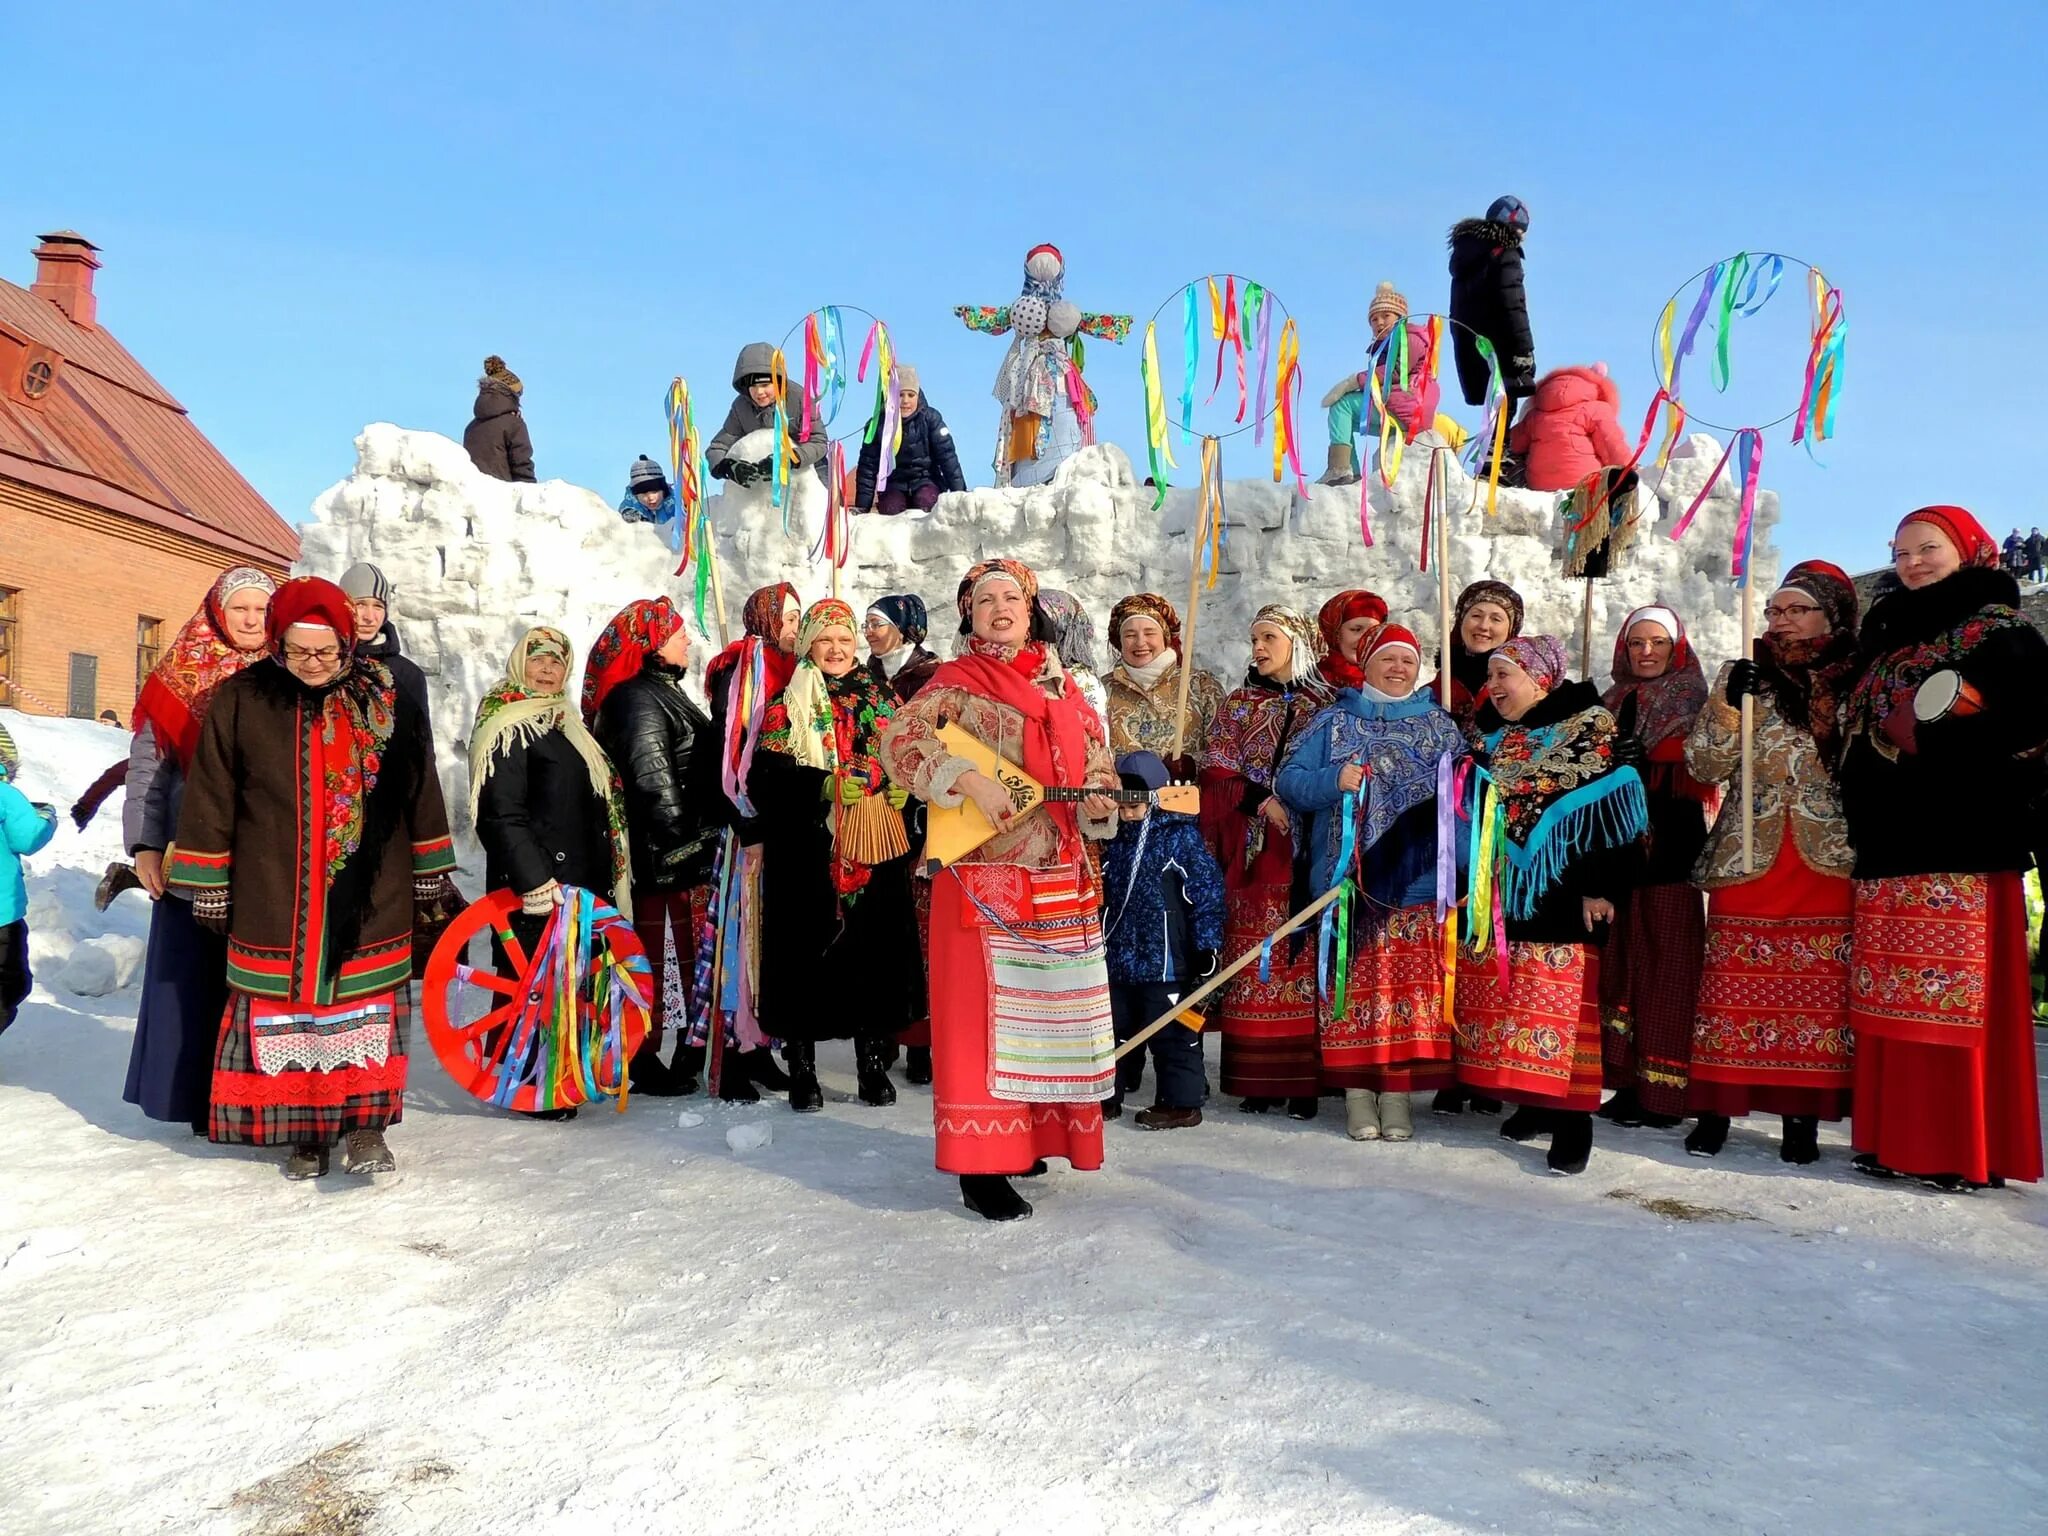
(108,434)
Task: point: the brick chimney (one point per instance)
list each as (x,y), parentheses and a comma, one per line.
(64,267)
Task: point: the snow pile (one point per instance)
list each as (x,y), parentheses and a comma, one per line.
(473,561)
(102,964)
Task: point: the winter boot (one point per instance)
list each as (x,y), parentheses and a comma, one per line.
(1342,468)
(364,1152)
(1571,1143)
(1304,1107)
(1256,1106)
(1037,1170)
(118,878)
(1397,1117)
(1482,1105)
(1867,1163)
(990,1197)
(1802,1139)
(1624,1108)
(736,1084)
(1448,1101)
(1112,1109)
(687,1067)
(1526,1123)
(652,1076)
(873,1071)
(917,1065)
(1708,1137)
(805,1096)
(1361,1114)
(306,1163)
(762,1070)
(1161,1117)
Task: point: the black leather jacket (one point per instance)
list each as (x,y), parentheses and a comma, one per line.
(661,744)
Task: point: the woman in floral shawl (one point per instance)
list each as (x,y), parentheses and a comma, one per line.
(1942,782)
(1143,688)
(1268,1015)
(1650,967)
(1559,812)
(839,951)
(185,976)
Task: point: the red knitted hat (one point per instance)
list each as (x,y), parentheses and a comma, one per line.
(311,600)
(1959,527)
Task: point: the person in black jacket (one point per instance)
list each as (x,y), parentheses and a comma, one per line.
(926,463)
(369,598)
(496,435)
(544,799)
(1487,300)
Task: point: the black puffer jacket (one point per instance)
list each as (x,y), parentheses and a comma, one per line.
(1487,296)
(927,457)
(539,819)
(661,744)
(496,435)
(405,672)
(1966,801)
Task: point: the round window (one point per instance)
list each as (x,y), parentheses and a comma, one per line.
(36,381)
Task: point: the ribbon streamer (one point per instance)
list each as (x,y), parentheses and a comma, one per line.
(885,416)
(1258,314)
(1158,448)
(1815,418)
(1747,447)
(1190,346)
(1708,284)
(1209,518)
(778,371)
(1287,394)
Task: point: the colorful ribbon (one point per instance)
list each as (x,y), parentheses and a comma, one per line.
(1747,447)
(1157,447)
(1210,529)
(1190,346)
(778,371)
(691,537)
(886,416)
(1287,394)
(1258,314)
(1815,418)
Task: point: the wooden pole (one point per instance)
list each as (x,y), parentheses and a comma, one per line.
(1187,628)
(1748,731)
(1443,577)
(1230,970)
(1586,635)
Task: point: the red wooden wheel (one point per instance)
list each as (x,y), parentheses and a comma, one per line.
(474,1016)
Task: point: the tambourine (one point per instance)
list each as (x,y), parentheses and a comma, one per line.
(1945,695)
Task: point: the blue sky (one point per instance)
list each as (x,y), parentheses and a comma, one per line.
(316,217)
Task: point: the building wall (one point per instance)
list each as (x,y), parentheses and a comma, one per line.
(84,577)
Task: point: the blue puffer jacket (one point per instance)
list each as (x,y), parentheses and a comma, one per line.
(23,830)
(631,510)
(1162,899)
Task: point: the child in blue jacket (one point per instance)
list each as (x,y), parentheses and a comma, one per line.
(1162,919)
(24,828)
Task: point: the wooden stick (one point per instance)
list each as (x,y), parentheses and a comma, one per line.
(1187,629)
(1748,731)
(1230,970)
(1586,635)
(1443,578)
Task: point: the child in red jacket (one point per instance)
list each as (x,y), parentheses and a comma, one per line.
(1571,429)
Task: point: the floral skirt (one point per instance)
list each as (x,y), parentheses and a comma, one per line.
(1269,1026)
(1392,1036)
(1536,1039)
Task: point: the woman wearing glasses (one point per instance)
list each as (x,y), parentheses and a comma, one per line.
(1771,1034)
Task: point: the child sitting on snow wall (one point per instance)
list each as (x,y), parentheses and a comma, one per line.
(1571,430)
(926,463)
(24,829)
(1350,406)
(496,438)
(1487,298)
(1162,922)
(753,381)
(649,497)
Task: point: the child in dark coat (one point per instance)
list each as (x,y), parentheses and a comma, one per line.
(926,461)
(1163,923)
(1487,300)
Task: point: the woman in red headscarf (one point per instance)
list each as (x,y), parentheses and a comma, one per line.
(1942,783)
(1347,621)
(1021,1038)
(1650,968)
(313,835)
(184,978)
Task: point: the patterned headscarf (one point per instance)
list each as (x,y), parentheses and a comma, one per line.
(1543,657)
(762,613)
(512,712)
(1339,670)
(1961,529)
(1015,570)
(1810,679)
(1487,590)
(1073,631)
(905,611)
(1666,705)
(1307,638)
(622,648)
(180,687)
(1144,605)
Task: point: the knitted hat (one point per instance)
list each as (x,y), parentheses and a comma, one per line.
(646,475)
(1960,529)
(1830,587)
(495,372)
(1541,656)
(1508,211)
(363,580)
(906,377)
(905,611)
(1390,637)
(1387,300)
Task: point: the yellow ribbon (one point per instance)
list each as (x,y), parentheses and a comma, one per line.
(1155,403)
(1289,363)
(1209,520)
(1664,360)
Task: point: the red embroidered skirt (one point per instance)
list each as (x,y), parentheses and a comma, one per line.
(1942,1005)
(1537,1040)
(1392,1036)
(977,1132)
(294,1104)
(1269,1027)
(1649,994)
(1772,1036)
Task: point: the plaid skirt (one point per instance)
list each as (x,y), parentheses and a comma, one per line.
(296,1106)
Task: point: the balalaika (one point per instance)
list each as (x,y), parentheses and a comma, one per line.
(953,832)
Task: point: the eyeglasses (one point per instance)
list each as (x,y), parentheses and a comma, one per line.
(322,653)
(1775,612)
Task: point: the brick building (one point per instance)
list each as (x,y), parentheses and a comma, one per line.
(116,513)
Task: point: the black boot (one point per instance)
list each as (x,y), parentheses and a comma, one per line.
(1802,1139)
(652,1076)
(762,1070)
(1708,1137)
(990,1197)
(1255,1106)
(1448,1101)
(870,1064)
(1623,1109)
(917,1065)
(1867,1163)
(805,1096)
(688,1067)
(1303,1108)
(735,1082)
(1485,1106)
(1571,1143)
(1526,1123)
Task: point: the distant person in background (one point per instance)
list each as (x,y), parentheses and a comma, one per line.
(649,497)
(24,828)
(753,410)
(1571,430)
(2037,556)
(108,717)
(2015,553)
(1487,300)
(926,463)
(496,436)
(369,598)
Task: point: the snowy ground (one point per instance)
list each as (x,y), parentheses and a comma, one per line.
(624,1325)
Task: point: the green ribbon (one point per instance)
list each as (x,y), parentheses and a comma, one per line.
(1723,320)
